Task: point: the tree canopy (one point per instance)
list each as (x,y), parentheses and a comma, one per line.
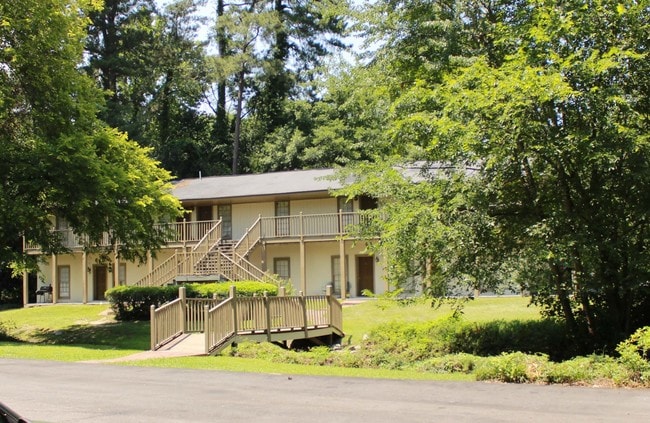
(549,102)
(59,159)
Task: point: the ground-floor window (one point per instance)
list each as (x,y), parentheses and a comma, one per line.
(336,273)
(63,276)
(282,267)
(121,274)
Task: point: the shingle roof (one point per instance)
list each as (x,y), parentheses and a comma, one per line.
(274,183)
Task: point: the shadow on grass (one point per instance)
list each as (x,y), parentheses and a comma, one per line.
(119,335)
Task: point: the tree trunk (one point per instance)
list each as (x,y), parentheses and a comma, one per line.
(238,116)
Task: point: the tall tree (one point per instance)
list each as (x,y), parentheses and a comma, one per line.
(266,48)
(58,158)
(121,51)
(550,104)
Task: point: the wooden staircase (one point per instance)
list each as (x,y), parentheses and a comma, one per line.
(212,259)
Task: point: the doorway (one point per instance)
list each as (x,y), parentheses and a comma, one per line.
(100,277)
(365,274)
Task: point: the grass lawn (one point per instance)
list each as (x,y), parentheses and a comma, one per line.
(89,332)
(359,319)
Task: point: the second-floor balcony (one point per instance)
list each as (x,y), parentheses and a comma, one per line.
(272,228)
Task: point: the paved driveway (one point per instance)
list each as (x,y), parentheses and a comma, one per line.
(84,392)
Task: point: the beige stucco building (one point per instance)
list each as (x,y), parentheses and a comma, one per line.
(239,227)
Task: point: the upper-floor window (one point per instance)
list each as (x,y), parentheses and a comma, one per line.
(346,207)
(367,202)
(224,211)
(282,223)
(204,213)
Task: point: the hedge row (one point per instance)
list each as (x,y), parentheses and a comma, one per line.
(134,302)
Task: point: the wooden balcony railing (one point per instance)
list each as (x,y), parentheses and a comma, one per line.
(176,233)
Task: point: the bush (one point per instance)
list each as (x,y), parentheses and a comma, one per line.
(419,341)
(134,302)
(588,370)
(635,354)
(513,368)
(6,328)
(222,289)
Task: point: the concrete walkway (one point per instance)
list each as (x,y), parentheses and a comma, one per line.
(187,345)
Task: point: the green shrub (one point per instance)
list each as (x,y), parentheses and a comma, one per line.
(134,302)
(222,289)
(513,368)
(453,363)
(420,341)
(6,329)
(600,369)
(634,354)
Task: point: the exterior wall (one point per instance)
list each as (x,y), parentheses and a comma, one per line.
(318,254)
(318,265)
(134,272)
(244,215)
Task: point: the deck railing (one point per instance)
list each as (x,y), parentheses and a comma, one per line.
(307,225)
(271,318)
(166,323)
(182,315)
(175,233)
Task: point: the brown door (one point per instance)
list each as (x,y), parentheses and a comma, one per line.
(99,279)
(365,274)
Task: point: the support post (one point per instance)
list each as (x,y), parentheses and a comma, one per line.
(328,294)
(303,302)
(182,296)
(207,328)
(267,306)
(303,267)
(55,280)
(116,269)
(343,278)
(25,288)
(233,296)
(152,313)
(84,265)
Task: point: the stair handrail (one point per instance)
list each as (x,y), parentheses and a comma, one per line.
(162,273)
(211,238)
(250,238)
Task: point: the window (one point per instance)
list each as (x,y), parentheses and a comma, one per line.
(63,276)
(62,224)
(281,222)
(282,267)
(336,273)
(121,274)
(224,211)
(347,209)
(368,203)
(203,213)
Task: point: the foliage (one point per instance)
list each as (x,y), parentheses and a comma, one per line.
(538,114)
(515,367)
(222,289)
(134,302)
(635,354)
(58,158)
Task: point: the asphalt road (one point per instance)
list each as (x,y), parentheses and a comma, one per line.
(82,392)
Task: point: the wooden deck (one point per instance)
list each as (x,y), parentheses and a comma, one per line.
(222,323)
